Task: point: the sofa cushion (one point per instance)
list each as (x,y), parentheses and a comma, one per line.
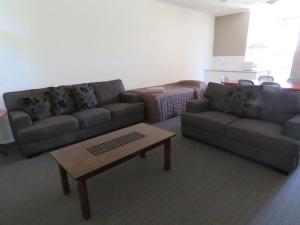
(279,106)
(210,121)
(92,117)
(47,128)
(84,96)
(217,93)
(62,100)
(109,91)
(263,135)
(38,106)
(130,97)
(198,105)
(13,100)
(122,110)
(244,101)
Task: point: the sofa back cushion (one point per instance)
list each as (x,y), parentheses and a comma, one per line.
(244,101)
(85,97)
(62,100)
(108,92)
(13,100)
(38,106)
(217,93)
(279,106)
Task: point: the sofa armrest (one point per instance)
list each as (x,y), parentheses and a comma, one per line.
(130,97)
(198,105)
(19,119)
(292,127)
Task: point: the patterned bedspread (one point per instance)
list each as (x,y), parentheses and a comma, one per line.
(172,102)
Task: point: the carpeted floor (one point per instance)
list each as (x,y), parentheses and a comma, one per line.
(205,186)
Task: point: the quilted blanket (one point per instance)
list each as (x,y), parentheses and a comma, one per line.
(169,100)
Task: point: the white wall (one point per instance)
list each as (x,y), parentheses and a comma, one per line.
(143,42)
(295,71)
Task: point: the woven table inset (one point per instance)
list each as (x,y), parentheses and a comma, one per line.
(115,143)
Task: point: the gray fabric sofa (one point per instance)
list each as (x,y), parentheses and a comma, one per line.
(272,138)
(116,109)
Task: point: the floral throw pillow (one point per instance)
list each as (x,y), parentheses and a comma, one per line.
(84,96)
(244,101)
(62,100)
(38,106)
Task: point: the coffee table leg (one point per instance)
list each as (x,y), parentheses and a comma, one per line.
(64,180)
(167,154)
(84,199)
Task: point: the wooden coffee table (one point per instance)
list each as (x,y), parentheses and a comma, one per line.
(88,158)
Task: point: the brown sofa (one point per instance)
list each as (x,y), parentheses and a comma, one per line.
(115,109)
(272,137)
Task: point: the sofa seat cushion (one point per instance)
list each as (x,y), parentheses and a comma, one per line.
(263,135)
(47,128)
(210,121)
(92,117)
(123,110)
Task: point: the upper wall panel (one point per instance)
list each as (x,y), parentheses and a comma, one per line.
(231,34)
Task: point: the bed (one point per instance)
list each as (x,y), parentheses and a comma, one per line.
(165,101)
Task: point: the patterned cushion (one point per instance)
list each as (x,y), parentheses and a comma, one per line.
(84,96)
(244,101)
(62,100)
(38,106)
